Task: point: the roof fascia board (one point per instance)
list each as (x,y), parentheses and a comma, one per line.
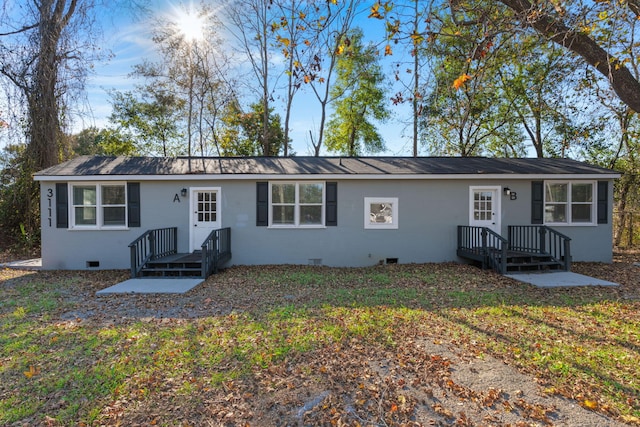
(260,177)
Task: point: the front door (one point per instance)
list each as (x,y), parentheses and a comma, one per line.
(205,214)
(484,210)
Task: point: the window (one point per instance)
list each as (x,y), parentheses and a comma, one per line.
(98,205)
(297,204)
(569,202)
(380,212)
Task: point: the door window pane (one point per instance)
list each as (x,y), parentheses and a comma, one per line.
(206,207)
(482,205)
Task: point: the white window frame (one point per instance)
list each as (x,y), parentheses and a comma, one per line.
(393,201)
(297,205)
(569,203)
(99,207)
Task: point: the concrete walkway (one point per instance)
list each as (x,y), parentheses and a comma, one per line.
(153,285)
(144,285)
(28,264)
(559,279)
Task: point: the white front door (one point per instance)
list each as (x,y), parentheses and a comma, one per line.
(205,214)
(484,209)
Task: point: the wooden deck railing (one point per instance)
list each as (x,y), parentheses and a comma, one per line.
(485,245)
(215,250)
(540,239)
(151,245)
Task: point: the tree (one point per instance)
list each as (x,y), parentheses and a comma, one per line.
(46,57)
(407,24)
(242,134)
(464,112)
(358,98)
(153,125)
(586,29)
(290,30)
(326,41)
(193,73)
(623,156)
(102,142)
(255,22)
(46,48)
(539,82)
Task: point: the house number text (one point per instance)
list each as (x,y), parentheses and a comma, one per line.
(49,197)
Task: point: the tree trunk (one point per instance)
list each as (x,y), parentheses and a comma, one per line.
(416,83)
(42,97)
(622,214)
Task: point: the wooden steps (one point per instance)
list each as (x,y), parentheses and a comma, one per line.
(517,261)
(523,261)
(154,253)
(175,265)
(529,248)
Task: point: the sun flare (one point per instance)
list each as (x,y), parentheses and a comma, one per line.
(190,25)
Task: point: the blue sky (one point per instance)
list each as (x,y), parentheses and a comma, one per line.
(129,40)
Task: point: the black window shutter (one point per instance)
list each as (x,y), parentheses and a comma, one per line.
(603,202)
(537,202)
(62,206)
(133,204)
(331,202)
(262,204)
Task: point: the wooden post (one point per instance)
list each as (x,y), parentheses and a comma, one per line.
(567,255)
(543,239)
(503,259)
(134,264)
(485,253)
(152,244)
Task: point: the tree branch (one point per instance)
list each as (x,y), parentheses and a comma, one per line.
(21,30)
(624,84)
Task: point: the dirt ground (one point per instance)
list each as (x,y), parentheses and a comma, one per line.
(422,382)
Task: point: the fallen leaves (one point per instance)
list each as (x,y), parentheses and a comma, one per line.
(320,346)
(31,372)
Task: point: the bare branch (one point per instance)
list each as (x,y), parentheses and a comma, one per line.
(21,30)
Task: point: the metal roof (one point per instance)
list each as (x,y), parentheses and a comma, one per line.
(94,166)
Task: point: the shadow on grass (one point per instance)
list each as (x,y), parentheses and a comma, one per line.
(62,337)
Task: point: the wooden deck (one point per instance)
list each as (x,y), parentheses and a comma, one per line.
(154,254)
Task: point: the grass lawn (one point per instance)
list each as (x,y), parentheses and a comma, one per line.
(237,349)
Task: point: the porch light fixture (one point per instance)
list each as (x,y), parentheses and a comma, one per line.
(183,192)
(512,194)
